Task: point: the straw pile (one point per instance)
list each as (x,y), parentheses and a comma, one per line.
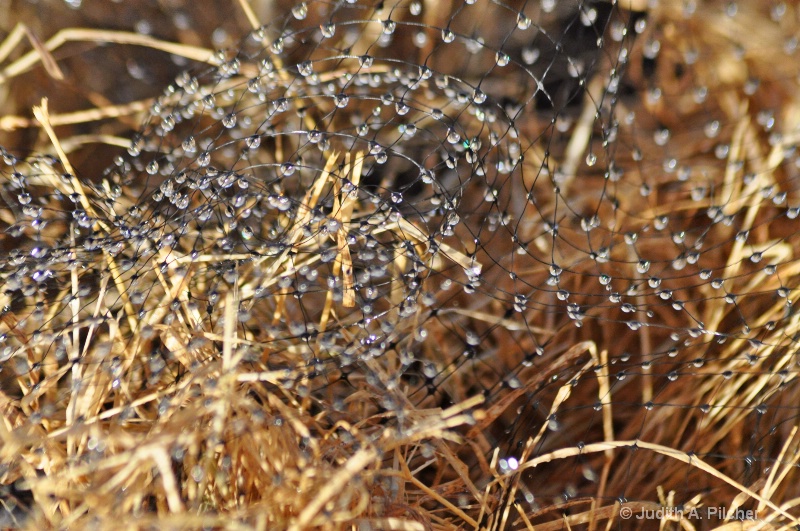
(400,265)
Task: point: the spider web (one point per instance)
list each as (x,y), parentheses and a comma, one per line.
(582,213)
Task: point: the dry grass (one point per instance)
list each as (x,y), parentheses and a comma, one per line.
(187,416)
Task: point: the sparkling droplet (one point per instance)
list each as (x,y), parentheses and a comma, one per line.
(341,100)
(314,136)
(253,142)
(328,30)
(189,145)
(389,26)
(300,11)
(502,59)
(306,68)
(229,121)
(287,169)
(168,124)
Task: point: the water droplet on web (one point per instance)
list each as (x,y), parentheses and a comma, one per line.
(523,21)
(661,137)
(328,30)
(306,68)
(136,146)
(472,338)
(168,123)
(530,55)
(388,26)
(341,100)
(253,142)
(152,167)
(587,224)
(314,136)
(448,36)
(189,145)
(287,169)
(643,266)
(300,11)
(502,59)
(229,121)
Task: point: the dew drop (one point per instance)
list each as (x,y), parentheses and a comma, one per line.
(341,100)
(306,68)
(389,26)
(328,30)
(287,169)
(300,11)
(314,136)
(189,145)
(229,121)
(253,142)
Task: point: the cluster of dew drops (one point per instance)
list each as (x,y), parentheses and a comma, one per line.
(228,158)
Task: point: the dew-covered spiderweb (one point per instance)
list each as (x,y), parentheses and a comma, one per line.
(582,213)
